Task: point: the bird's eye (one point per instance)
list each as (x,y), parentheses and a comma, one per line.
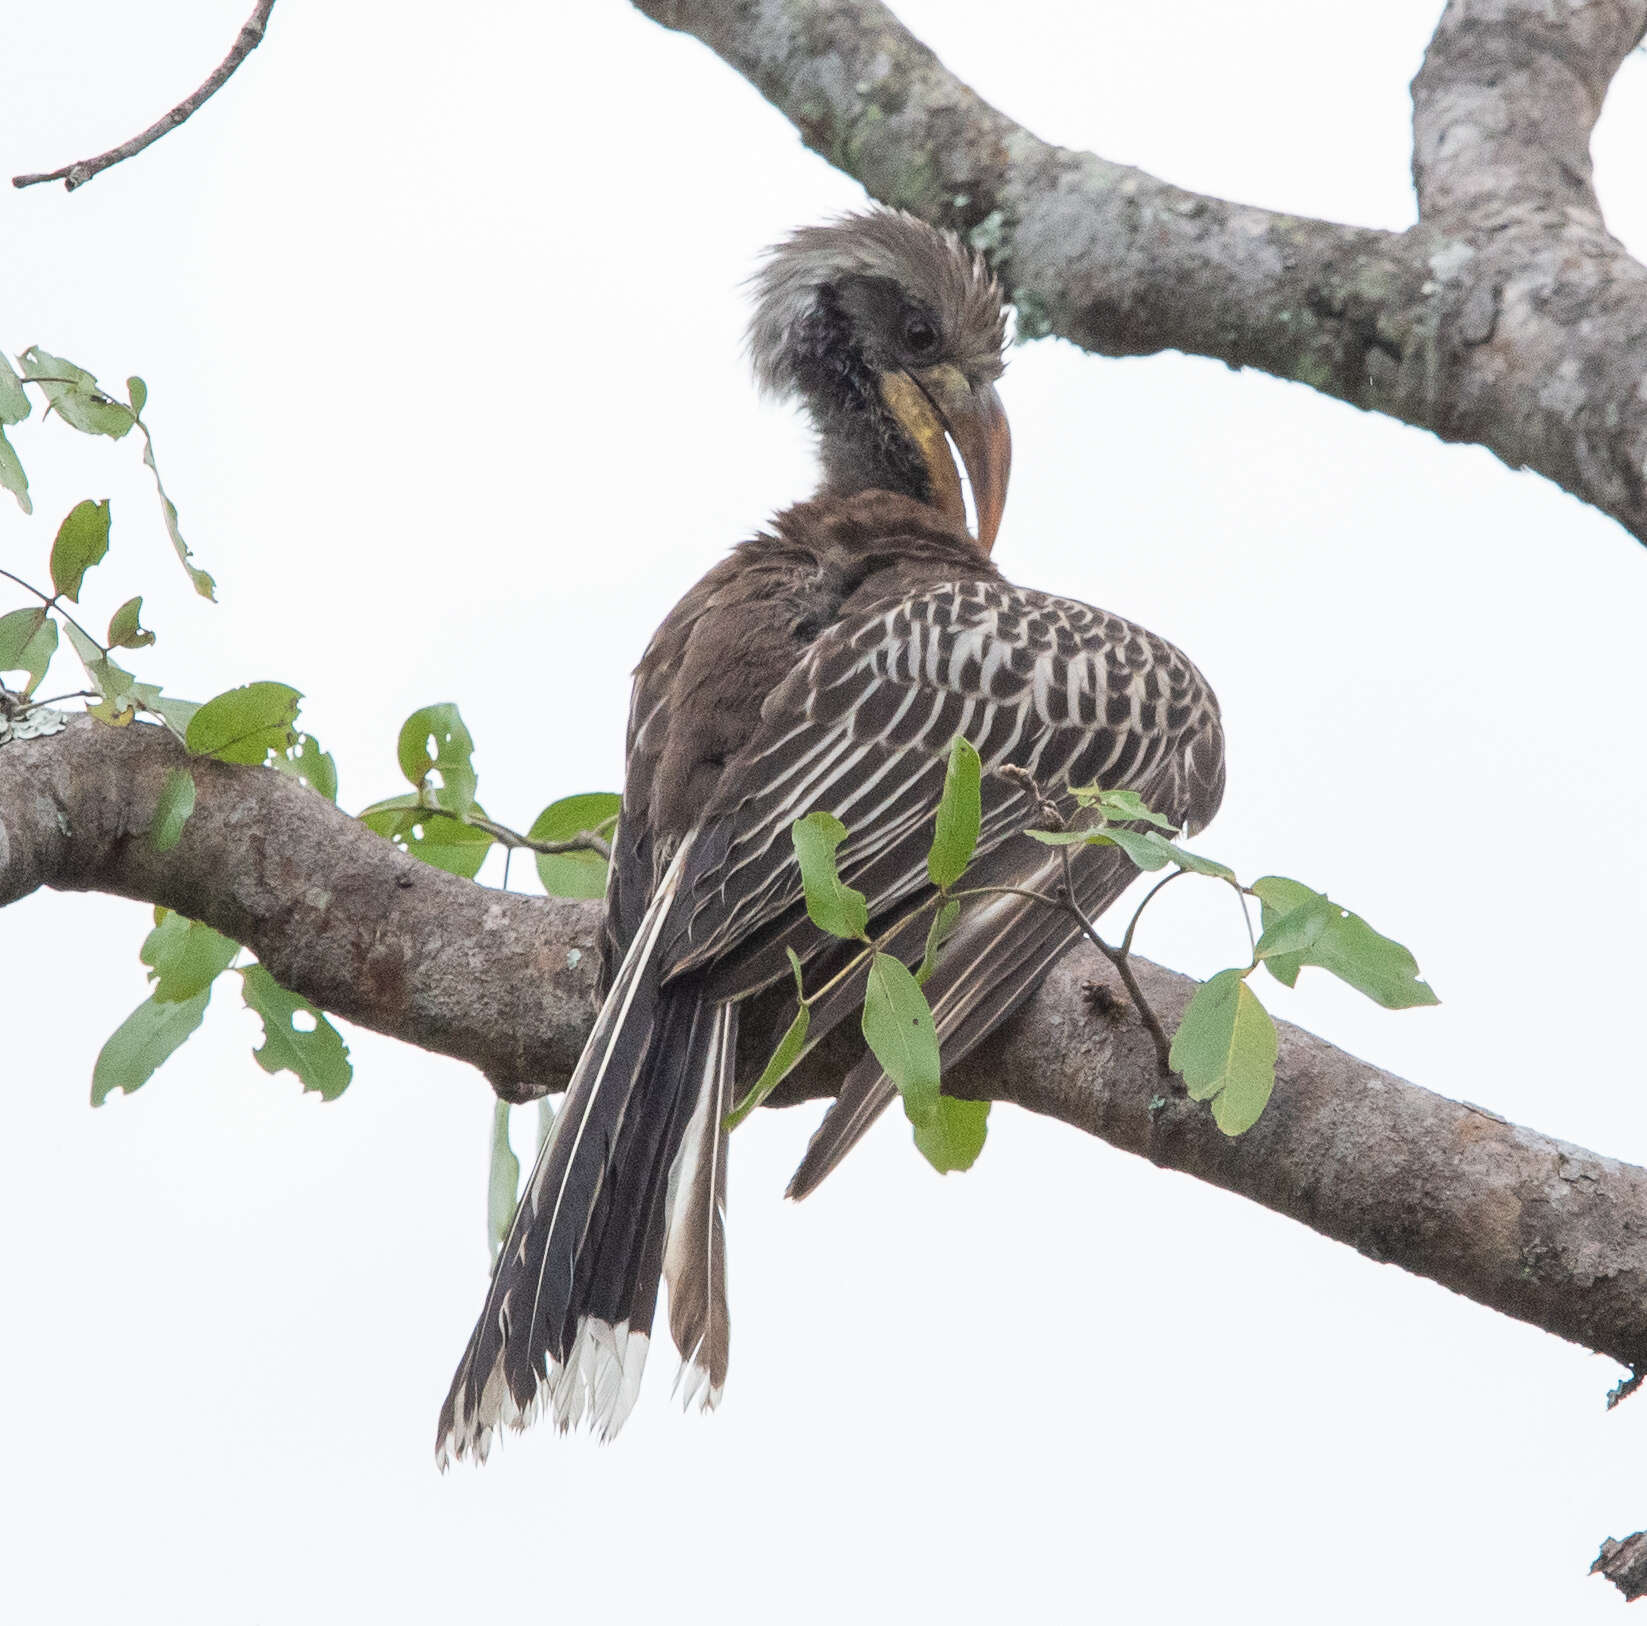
(920,335)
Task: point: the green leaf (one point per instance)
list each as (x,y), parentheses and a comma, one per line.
(12,476)
(82,540)
(112,681)
(942,923)
(137,392)
(502,1181)
(457,848)
(184,956)
(203,583)
(28,640)
(776,1070)
(434,740)
(1096,837)
(574,875)
(1129,807)
(146,1038)
(1146,848)
(74,394)
(1225,1051)
(1196,864)
(309,765)
(172,809)
(14,399)
(178,713)
(202,580)
(124,631)
(245,724)
(835,907)
(1303,927)
(956,834)
(897,1023)
(315,1051)
(954,1136)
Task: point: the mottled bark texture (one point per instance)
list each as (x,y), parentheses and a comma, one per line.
(1541,1230)
(1507,316)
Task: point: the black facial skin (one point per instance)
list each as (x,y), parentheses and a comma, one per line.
(861,329)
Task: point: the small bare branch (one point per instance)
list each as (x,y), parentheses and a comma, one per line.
(1624,1563)
(77,174)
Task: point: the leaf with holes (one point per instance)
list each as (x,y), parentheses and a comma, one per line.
(459,849)
(74,395)
(82,540)
(172,808)
(28,640)
(582,874)
(124,630)
(434,740)
(142,1042)
(245,724)
(314,1050)
(309,766)
(955,836)
(834,907)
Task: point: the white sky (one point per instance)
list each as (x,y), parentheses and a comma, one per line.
(440,316)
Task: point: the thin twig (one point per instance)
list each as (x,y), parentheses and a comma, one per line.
(73,694)
(52,601)
(586,841)
(1121,959)
(77,174)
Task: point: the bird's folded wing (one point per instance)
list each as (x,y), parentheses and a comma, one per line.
(863,726)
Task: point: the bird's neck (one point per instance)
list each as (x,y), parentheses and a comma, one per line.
(860,444)
(860,448)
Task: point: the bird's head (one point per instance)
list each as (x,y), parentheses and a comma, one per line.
(890,333)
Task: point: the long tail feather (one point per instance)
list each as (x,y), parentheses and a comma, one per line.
(694,1261)
(568,1317)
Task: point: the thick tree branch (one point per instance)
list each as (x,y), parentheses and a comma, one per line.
(77,174)
(1507,316)
(1541,1230)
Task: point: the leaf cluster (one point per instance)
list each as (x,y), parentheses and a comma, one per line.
(1225,1046)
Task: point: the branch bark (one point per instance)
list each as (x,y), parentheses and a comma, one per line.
(1539,1229)
(1507,316)
(77,174)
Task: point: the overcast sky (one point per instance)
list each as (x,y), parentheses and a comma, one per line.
(440,313)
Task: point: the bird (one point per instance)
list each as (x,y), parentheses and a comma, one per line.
(829,662)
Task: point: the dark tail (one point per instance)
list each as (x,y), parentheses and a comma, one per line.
(630,1186)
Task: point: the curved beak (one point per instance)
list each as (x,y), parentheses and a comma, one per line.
(942,411)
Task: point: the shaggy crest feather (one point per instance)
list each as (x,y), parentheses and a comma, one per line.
(930,264)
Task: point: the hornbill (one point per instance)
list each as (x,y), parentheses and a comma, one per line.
(829,662)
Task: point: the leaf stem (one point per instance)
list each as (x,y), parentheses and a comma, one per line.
(50,600)
(586,841)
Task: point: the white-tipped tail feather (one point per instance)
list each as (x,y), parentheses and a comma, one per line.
(630,1186)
